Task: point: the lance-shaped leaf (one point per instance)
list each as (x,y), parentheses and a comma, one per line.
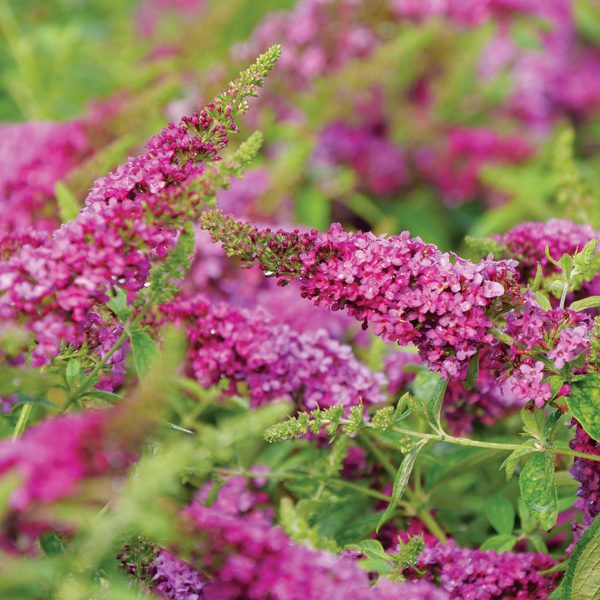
(589,302)
(429,389)
(401,481)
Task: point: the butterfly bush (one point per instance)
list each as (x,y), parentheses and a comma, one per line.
(166,576)
(28,173)
(271,358)
(131,218)
(587,474)
(456,168)
(553,76)
(466,13)
(193,485)
(406,290)
(53,457)
(411,293)
(486,574)
(559,334)
(174,578)
(549,80)
(59,458)
(248,557)
(528,242)
(379,165)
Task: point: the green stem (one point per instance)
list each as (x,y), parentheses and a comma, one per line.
(449,439)
(414,499)
(565,291)
(22,421)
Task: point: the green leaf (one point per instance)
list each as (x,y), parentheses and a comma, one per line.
(298,528)
(566,502)
(533,421)
(524,36)
(118,304)
(582,578)
(552,421)
(400,482)
(589,302)
(72,372)
(51,543)
(557,594)
(587,18)
(370,548)
(144,350)
(501,514)
(499,543)
(535,286)
(375,565)
(104,395)
(538,489)
(35,401)
(429,389)
(512,460)
(472,373)
(543,300)
(584,404)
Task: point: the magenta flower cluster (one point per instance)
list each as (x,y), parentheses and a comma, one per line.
(468,574)
(175,579)
(379,165)
(131,217)
(464,12)
(559,334)
(249,558)
(527,243)
(571,343)
(406,290)
(409,292)
(456,168)
(51,462)
(587,474)
(30,171)
(559,77)
(272,359)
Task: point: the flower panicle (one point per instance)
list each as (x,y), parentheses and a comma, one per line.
(132,221)
(406,290)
